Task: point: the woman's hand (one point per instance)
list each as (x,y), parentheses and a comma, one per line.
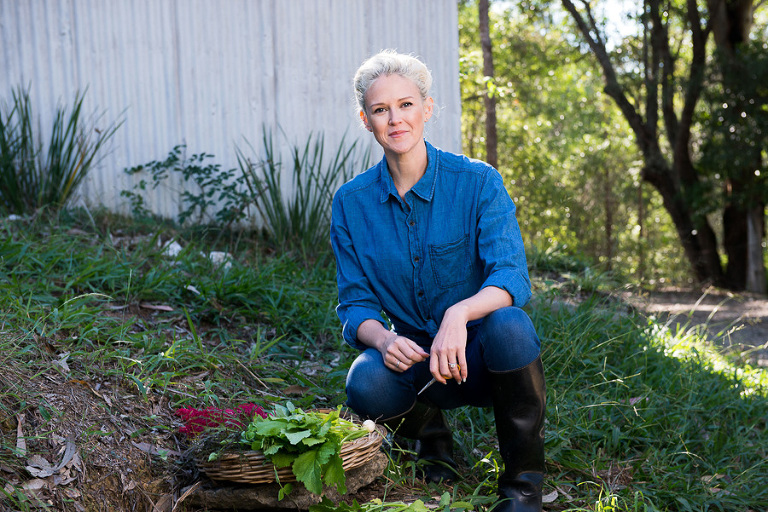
(400,353)
(448,353)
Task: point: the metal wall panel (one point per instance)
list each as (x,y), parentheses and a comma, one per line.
(211,73)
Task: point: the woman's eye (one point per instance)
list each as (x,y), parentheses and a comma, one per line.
(407,104)
(378,110)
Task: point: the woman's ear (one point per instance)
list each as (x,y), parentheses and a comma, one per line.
(364,118)
(429,106)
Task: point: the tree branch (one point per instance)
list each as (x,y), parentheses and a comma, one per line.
(612,86)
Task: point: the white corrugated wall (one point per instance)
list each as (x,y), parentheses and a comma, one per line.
(208,73)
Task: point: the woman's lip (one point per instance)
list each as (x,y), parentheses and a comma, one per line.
(397,133)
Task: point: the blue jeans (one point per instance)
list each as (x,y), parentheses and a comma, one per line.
(503,341)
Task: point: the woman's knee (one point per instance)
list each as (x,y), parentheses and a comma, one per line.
(373,390)
(509,339)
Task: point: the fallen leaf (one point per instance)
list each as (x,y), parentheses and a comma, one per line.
(295,389)
(153,450)
(549,498)
(39,467)
(62,362)
(164,504)
(21,443)
(567,496)
(155,307)
(72,493)
(34,484)
(719,490)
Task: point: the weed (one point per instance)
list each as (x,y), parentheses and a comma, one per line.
(33,176)
(302,218)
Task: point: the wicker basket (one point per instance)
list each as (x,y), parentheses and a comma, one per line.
(252,467)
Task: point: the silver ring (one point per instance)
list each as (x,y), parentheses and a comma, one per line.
(451,365)
(398,364)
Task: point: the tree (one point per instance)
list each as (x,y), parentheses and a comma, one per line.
(661,106)
(491,138)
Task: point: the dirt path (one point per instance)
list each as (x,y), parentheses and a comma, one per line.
(738,322)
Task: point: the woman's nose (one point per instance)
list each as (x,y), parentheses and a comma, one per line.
(394,117)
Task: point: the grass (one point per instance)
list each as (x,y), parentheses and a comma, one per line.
(34,175)
(640,418)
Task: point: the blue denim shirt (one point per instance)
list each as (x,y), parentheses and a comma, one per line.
(454,233)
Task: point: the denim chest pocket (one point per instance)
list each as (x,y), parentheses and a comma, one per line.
(451,263)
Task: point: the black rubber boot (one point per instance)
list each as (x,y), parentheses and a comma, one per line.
(519,403)
(434,442)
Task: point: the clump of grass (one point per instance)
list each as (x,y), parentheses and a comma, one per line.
(300,218)
(33,175)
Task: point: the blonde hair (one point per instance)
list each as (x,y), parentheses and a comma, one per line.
(389,62)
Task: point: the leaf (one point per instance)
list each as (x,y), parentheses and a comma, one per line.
(284,491)
(418,506)
(282,460)
(307,471)
(334,474)
(297,437)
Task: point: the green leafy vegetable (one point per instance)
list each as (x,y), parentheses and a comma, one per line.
(309,442)
(375,505)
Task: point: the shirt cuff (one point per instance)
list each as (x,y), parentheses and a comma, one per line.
(354,316)
(513,283)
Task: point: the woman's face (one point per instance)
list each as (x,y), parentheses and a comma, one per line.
(395,113)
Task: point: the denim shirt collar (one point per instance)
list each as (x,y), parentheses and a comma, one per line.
(424,188)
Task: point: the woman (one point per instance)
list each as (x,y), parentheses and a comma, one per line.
(430,239)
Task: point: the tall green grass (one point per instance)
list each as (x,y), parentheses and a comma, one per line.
(299,217)
(34,175)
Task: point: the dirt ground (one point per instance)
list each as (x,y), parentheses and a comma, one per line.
(92,445)
(736,322)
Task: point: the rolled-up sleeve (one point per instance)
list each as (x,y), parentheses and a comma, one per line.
(500,243)
(357,302)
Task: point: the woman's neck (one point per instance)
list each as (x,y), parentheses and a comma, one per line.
(407,169)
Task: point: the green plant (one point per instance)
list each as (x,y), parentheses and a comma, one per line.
(309,442)
(298,215)
(33,176)
(214,188)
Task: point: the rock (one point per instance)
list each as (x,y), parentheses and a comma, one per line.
(220,495)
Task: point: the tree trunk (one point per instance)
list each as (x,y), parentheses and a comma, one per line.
(697,238)
(608,206)
(743,213)
(755,230)
(491,138)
